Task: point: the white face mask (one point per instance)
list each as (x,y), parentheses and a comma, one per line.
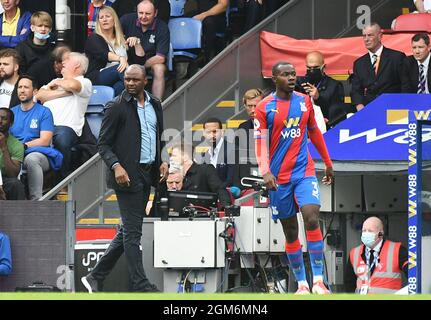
(368,238)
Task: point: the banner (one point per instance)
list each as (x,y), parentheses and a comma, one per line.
(339,53)
(380,131)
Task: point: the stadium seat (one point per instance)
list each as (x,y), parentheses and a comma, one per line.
(94,121)
(101,95)
(177,7)
(413,22)
(185,35)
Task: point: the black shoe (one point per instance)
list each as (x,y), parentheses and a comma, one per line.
(90,283)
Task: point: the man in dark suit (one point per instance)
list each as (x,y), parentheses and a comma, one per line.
(378,71)
(326,92)
(245,136)
(130,144)
(220,153)
(416,71)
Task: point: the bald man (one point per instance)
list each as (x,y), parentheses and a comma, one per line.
(153,34)
(376,265)
(326,92)
(376,72)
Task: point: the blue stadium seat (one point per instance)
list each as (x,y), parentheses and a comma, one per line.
(95,122)
(185,35)
(101,95)
(177,7)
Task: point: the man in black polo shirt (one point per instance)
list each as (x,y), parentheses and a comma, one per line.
(154,36)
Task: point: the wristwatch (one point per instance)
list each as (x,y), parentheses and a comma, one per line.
(138,41)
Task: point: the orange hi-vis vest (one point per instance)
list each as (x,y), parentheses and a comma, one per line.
(386,277)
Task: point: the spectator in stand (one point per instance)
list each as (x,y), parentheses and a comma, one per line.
(153,34)
(5,255)
(220,151)
(67,98)
(106,50)
(212,13)
(37,47)
(34,127)
(123,7)
(325,92)
(378,71)
(9,69)
(93,9)
(14,25)
(50,68)
(376,265)
(423,6)
(416,71)
(11,157)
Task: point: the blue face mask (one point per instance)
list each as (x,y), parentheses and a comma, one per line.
(368,238)
(41,36)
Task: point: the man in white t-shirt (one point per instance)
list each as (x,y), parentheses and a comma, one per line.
(9,67)
(67,98)
(423,6)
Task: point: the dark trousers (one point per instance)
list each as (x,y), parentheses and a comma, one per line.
(13,188)
(111,77)
(210,26)
(253,14)
(64,139)
(128,238)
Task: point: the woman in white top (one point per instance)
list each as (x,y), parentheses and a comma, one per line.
(106,50)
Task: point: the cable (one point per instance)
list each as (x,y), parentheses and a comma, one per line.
(199,207)
(329,227)
(252,280)
(185,280)
(225,275)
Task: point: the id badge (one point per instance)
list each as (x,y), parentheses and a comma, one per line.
(363,290)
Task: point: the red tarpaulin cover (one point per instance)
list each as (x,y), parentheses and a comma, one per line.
(339,53)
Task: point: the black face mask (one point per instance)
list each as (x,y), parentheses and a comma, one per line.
(314,76)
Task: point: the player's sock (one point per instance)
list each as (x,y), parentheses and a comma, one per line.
(315,249)
(296,261)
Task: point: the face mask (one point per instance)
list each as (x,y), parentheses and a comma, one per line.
(41,36)
(368,238)
(314,76)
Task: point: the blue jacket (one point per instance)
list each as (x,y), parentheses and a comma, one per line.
(5,255)
(55,157)
(23,23)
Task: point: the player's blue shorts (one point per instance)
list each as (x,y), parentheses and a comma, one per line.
(304,191)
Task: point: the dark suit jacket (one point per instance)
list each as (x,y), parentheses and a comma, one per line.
(366,85)
(245,149)
(203,178)
(410,79)
(225,171)
(120,140)
(331,97)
